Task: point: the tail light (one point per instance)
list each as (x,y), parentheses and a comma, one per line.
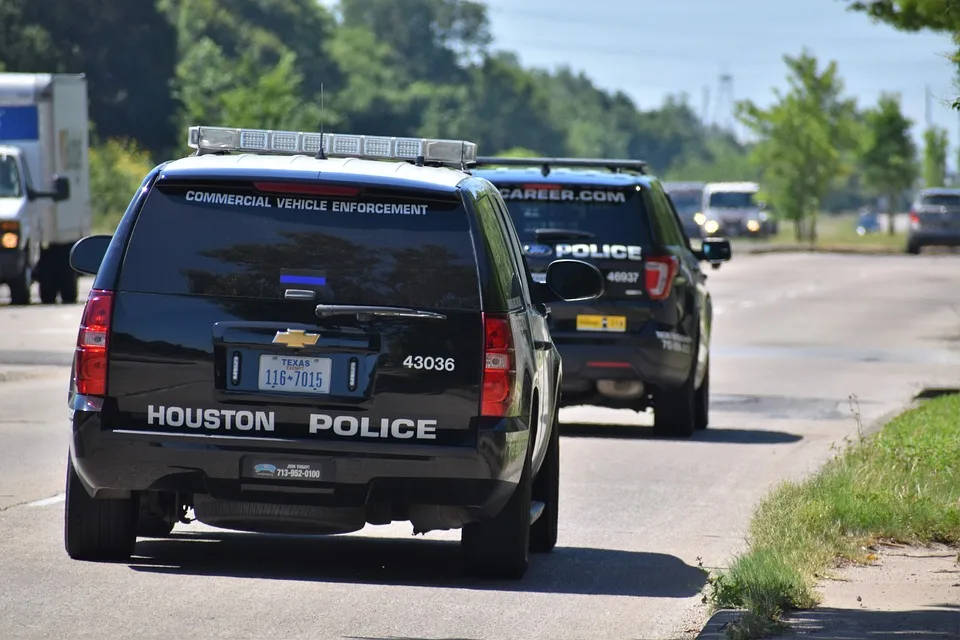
(90,363)
(499,368)
(660,272)
(914,218)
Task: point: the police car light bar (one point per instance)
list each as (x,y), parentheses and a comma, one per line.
(617,166)
(427,150)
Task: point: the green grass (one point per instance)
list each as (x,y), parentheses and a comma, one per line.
(901,484)
(838,233)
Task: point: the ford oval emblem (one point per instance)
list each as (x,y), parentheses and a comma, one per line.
(537,250)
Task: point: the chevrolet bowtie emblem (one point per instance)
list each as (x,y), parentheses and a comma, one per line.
(296,338)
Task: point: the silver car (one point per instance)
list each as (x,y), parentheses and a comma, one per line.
(934,219)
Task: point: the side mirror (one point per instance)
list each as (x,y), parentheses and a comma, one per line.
(61,188)
(715,250)
(87,253)
(573,281)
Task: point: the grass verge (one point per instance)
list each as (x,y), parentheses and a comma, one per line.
(901,484)
(835,234)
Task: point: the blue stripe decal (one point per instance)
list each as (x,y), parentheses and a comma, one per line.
(303,280)
(19,123)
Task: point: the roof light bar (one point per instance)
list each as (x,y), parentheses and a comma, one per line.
(545,164)
(266,141)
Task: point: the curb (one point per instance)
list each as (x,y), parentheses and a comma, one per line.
(716,627)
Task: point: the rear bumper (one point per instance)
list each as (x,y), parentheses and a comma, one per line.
(640,358)
(12,262)
(940,237)
(352,474)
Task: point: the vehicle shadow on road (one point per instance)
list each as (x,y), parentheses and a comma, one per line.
(408,562)
(713,434)
(937,621)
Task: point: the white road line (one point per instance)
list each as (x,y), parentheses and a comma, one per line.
(46,502)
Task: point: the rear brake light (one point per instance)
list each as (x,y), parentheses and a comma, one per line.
(499,368)
(306,189)
(90,364)
(660,272)
(914,218)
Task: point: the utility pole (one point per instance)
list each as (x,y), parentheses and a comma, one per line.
(705,113)
(723,108)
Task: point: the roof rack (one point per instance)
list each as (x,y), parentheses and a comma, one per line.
(419,151)
(546,164)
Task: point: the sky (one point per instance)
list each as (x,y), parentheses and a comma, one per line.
(651,49)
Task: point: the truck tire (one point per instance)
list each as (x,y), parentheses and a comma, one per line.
(499,547)
(68,285)
(98,529)
(674,411)
(546,489)
(20,293)
(913,248)
(702,401)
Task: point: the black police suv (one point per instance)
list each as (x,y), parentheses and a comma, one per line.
(313,334)
(646,341)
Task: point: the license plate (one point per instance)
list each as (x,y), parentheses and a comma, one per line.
(273,469)
(291,374)
(602,323)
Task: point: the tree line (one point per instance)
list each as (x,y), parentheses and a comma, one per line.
(411,68)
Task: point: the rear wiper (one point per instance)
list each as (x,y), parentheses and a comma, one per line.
(562,233)
(328,310)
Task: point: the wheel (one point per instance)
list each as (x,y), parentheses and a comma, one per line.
(702,401)
(546,489)
(674,411)
(913,248)
(68,285)
(20,288)
(499,547)
(98,529)
(47,279)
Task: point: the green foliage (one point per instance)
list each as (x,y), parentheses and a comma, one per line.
(724,160)
(901,485)
(805,140)
(889,157)
(935,143)
(117,167)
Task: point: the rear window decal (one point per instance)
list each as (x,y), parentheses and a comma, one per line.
(569,195)
(308,204)
(615,251)
(304,277)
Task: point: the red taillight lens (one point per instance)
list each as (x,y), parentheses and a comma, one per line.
(914,218)
(499,373)
(660,271)
(91,358)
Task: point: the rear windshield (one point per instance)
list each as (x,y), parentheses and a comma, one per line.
(941,200)
(604,213)
(733,200)
(232,241)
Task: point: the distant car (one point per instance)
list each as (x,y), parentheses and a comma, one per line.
(687,200)
(646,341)
(868,222)
(934,219)
(731,209)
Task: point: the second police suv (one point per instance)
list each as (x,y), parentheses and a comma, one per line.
(296,333)
(646,341)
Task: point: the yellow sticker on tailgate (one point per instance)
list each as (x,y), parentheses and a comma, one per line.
(602,323)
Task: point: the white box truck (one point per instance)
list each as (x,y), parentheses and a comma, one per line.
(44,182)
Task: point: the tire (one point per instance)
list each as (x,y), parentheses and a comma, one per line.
(98,529)
(674,412)
(546,489)
(913,249)
(499,547)
(68,285)
(48,282)
(20,288)
(702,401)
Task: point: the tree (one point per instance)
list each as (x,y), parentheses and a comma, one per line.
(889,158)
(935,143)
(804,139)
(916,15)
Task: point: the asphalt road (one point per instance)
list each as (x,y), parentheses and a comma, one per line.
(795,336)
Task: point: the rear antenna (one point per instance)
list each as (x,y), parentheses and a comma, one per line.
(321,155)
